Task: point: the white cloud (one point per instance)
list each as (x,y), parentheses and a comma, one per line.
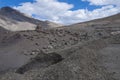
(45,9)
(61,12)
(85,15)
(104,2)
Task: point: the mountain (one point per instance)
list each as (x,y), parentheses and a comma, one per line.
(106,23)
(14,20)
(82,51)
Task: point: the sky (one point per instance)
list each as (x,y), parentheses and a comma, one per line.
(65,11)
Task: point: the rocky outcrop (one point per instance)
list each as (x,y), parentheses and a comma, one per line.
(42,60)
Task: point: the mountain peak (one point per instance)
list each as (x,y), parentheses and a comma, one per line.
(8,9)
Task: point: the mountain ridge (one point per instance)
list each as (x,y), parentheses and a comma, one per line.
(14,20)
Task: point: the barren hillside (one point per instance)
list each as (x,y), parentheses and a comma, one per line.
(14,20)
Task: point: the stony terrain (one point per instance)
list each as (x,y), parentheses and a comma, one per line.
(83,51)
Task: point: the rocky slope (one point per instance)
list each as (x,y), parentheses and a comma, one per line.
(83,51)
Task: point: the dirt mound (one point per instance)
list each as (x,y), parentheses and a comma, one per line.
(42,60)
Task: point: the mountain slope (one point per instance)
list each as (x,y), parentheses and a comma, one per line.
(110,24)
(13,20)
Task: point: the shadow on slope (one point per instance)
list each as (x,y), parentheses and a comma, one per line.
(42,60)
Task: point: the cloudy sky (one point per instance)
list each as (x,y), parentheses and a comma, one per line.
(65,11)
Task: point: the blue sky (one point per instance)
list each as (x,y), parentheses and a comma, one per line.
(78,4)
(65,11)
(12,2)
